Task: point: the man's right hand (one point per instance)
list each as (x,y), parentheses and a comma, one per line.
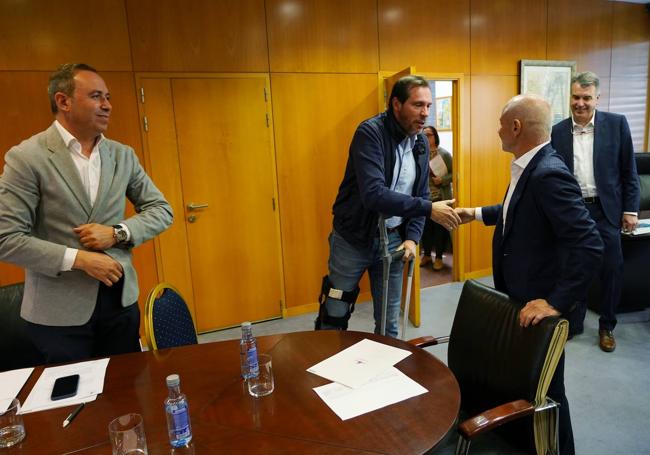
(100,266)
(466,215)
(443,214)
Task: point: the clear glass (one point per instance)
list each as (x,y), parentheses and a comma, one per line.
(12,428)
(127,435)
(177,409)
(263,384)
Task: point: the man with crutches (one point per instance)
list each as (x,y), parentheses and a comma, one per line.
(386,175)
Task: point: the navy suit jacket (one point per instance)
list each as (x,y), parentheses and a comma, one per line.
(615,172)
(550,247)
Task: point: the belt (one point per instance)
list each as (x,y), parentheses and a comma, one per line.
(591,200)
(393,229)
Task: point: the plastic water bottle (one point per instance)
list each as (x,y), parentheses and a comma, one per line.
(178,413)
(248,352)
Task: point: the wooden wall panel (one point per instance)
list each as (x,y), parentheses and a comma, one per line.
(630,40)
(437,39)
(490,166)
(336,36)
(581,30)
(201,35)
(42,34)
(504,32)
(315,117)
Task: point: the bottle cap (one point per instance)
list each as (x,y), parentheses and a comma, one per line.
(246,324)
(173,380)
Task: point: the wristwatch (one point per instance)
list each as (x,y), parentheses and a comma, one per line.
(119,234)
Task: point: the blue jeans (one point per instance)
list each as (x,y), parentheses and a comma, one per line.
(346,266)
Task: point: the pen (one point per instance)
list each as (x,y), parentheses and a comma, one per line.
(73,414)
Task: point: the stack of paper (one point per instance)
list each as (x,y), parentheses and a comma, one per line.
(10,384)
(91,383)
(364,379)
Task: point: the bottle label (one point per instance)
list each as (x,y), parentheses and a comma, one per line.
(253,366)
(180,419)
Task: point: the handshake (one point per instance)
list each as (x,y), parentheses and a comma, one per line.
(450,218)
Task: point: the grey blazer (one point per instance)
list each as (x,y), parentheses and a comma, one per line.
(42,198)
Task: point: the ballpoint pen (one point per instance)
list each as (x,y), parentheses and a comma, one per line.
(73,414)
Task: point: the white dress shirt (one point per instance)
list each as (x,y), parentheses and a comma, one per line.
(583,156)
(517,168)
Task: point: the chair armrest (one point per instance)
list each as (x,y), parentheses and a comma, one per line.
(492,418)
(423,342)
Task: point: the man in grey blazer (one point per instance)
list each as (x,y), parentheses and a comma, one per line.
(62,217)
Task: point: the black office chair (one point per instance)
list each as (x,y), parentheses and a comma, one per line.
(168,321)
(16,349)
(503,370)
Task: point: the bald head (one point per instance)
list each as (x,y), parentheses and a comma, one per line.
(525,123)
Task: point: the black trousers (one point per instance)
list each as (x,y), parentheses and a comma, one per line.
(112,329)
(611,271)
(557,393)
(434,238)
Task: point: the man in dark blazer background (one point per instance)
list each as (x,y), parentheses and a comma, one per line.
(541,216)
(597,149)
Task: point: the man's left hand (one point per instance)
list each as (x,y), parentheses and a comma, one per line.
(97,237)
(409,247)
(535,311)
(630,222)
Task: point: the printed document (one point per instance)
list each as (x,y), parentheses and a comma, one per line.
(91,383)
(359,363)
(390,386)
(10,384)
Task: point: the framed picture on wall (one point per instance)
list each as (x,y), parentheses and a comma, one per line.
(550,79)
(443,113)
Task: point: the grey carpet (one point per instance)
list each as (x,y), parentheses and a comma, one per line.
(609,393)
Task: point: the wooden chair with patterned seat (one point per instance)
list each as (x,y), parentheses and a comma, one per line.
(168,321)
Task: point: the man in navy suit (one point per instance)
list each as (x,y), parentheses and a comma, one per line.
(541,216)
(597,148)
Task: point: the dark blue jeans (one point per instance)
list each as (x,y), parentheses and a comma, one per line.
(346,266)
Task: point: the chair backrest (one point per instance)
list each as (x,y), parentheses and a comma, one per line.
(494,359)
(643,169)
(16,349)
(168,321)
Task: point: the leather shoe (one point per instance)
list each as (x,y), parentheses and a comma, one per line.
(426,260)
(437,264)
(607,342)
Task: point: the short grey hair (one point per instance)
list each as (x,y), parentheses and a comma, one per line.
(585,79)
(62,80)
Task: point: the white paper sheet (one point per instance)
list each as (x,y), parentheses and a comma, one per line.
(359,363)
(390,386)
(91,383)
(438,166)
(10,384)
(642,228)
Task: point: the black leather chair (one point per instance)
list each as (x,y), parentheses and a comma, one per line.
(16,349)
(503,370)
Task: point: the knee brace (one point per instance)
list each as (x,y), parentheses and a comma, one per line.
(328,291)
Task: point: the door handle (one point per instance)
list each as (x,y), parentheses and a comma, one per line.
(192,206)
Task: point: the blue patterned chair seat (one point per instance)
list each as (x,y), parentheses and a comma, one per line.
(169,322)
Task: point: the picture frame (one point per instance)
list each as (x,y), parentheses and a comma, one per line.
(550,79)
(443,113)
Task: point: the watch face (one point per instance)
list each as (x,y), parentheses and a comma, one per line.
(120,234)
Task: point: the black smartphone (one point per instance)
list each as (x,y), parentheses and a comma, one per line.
(65,387)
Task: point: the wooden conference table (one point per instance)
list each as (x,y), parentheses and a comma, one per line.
(225,419)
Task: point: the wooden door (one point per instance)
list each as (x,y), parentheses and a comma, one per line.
(227,200)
